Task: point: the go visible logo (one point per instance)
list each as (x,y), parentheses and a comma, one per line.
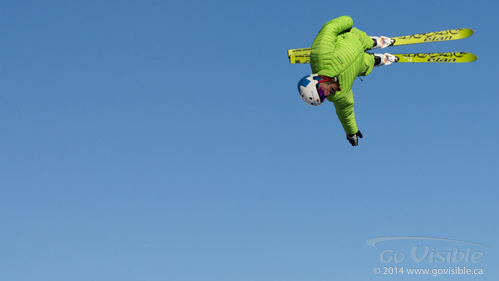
(430,253)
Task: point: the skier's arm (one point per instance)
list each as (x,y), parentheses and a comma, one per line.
(345,112)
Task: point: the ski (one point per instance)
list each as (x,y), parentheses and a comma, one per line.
(299,59)
(456,57)
(450,57)
(437,36)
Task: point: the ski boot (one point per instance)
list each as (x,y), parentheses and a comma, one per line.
(384,59)
(381,42)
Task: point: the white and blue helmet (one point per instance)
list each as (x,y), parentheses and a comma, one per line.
(307,87)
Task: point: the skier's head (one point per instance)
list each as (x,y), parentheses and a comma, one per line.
(314,89)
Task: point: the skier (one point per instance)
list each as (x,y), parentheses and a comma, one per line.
(337,57)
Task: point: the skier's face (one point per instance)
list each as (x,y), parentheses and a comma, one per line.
(328,88)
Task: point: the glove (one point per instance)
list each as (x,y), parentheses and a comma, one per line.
(354,141)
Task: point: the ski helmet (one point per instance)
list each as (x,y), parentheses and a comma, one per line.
(308,89)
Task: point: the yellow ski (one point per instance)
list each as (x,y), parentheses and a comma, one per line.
(455,57)
(450,57)
(437,36)
(299,58)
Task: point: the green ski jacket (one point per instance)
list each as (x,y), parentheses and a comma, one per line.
(338,50)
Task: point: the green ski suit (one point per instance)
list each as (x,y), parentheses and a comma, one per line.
(338,50)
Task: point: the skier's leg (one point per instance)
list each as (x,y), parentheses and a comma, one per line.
(375,60)
(369,63)
(366,41)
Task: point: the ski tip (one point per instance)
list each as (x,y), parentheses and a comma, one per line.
(468,57)
(467,32)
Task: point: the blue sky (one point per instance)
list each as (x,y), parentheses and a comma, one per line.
(150,140)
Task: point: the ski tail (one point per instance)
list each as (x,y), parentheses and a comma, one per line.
(299,58)
(298,52)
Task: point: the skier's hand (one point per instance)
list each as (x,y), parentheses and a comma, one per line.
(354,141)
